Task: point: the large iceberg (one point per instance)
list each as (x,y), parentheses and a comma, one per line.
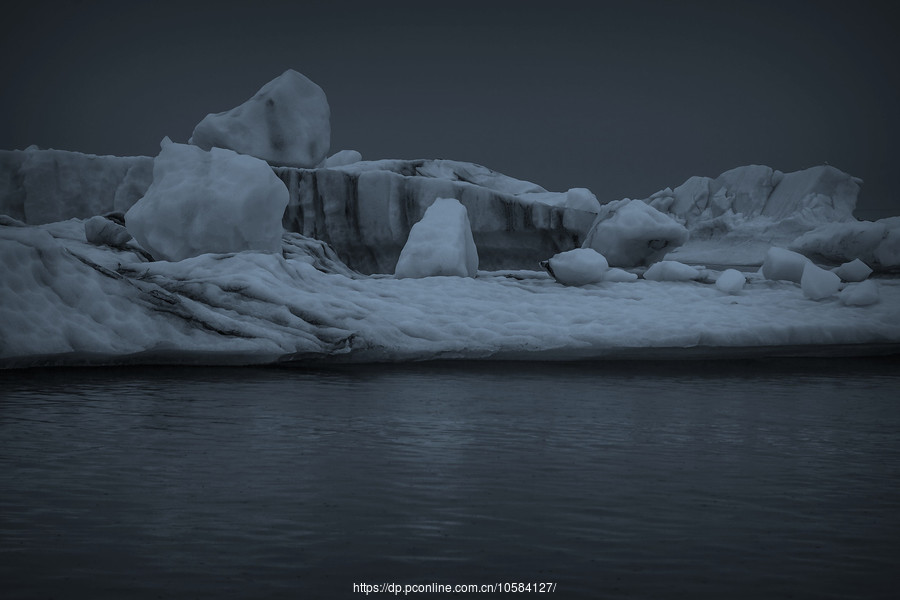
(65,301)
(287,122)
(200,202)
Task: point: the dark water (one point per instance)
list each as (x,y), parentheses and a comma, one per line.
(658,480)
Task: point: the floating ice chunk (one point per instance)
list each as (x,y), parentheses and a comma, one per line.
(616,275)
(580,266)
(731,281)
(855,270)
(781,264)
(216,201)
(342,158)
(440,244)
(103,231)
(671,270)
(630,233)
(582,199)
(287,122)
(860,294)
(817,283)
(887,254)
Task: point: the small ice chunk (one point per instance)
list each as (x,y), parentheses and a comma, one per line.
(781,264)
(617,275)
(671,270)
(731,281)
(199,202)
(342,158)
(817,283)
(855,270)
(860,294)
(580,266)
(582,199)
(102,231)
(440,244)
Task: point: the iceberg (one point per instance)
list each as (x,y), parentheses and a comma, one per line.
(577,267)
(64,301)
(630,233)
(200,202)
(287,122)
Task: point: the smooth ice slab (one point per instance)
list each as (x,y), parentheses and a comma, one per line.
(784,265)
(440,244)
(216,201)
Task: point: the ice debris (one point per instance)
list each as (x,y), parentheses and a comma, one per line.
(731,281)
(671,270)
(580,266)
(817,283)
(630,233)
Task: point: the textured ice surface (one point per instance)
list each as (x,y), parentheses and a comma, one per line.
(631,233)
(44,186)
(877,243)
(64,301)
(440,244)
(287,122)
(580,266)
(215,201)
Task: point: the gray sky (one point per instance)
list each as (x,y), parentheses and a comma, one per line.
(624,98)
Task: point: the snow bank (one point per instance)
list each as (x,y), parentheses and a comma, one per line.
(199,202)
(631,233)
(580,266)
(440,244)
(287,123)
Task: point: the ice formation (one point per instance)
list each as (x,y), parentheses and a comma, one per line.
(731,281)
(631,233)
(817,283)
(582,199)
(855,270)
(782,264)
(44,186)
(580,266)
(440,244)
(342,158)
(876,243)
(287,122)
(101,230)
(64,301)
(671,270)
(208,201)
(860,294)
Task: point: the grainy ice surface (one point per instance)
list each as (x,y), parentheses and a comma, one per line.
(752,479)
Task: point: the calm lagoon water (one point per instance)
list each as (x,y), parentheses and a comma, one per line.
(754,479)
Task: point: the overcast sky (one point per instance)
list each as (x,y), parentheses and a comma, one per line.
(624,98)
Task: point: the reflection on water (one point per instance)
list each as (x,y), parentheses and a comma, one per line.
(699,480)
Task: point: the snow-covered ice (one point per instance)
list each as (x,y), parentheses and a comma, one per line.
(582,199)
(580,266)
(877,243)
(208,201)
(440,244)
(287,122)
(342,158)
(64,301)
(630,233)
